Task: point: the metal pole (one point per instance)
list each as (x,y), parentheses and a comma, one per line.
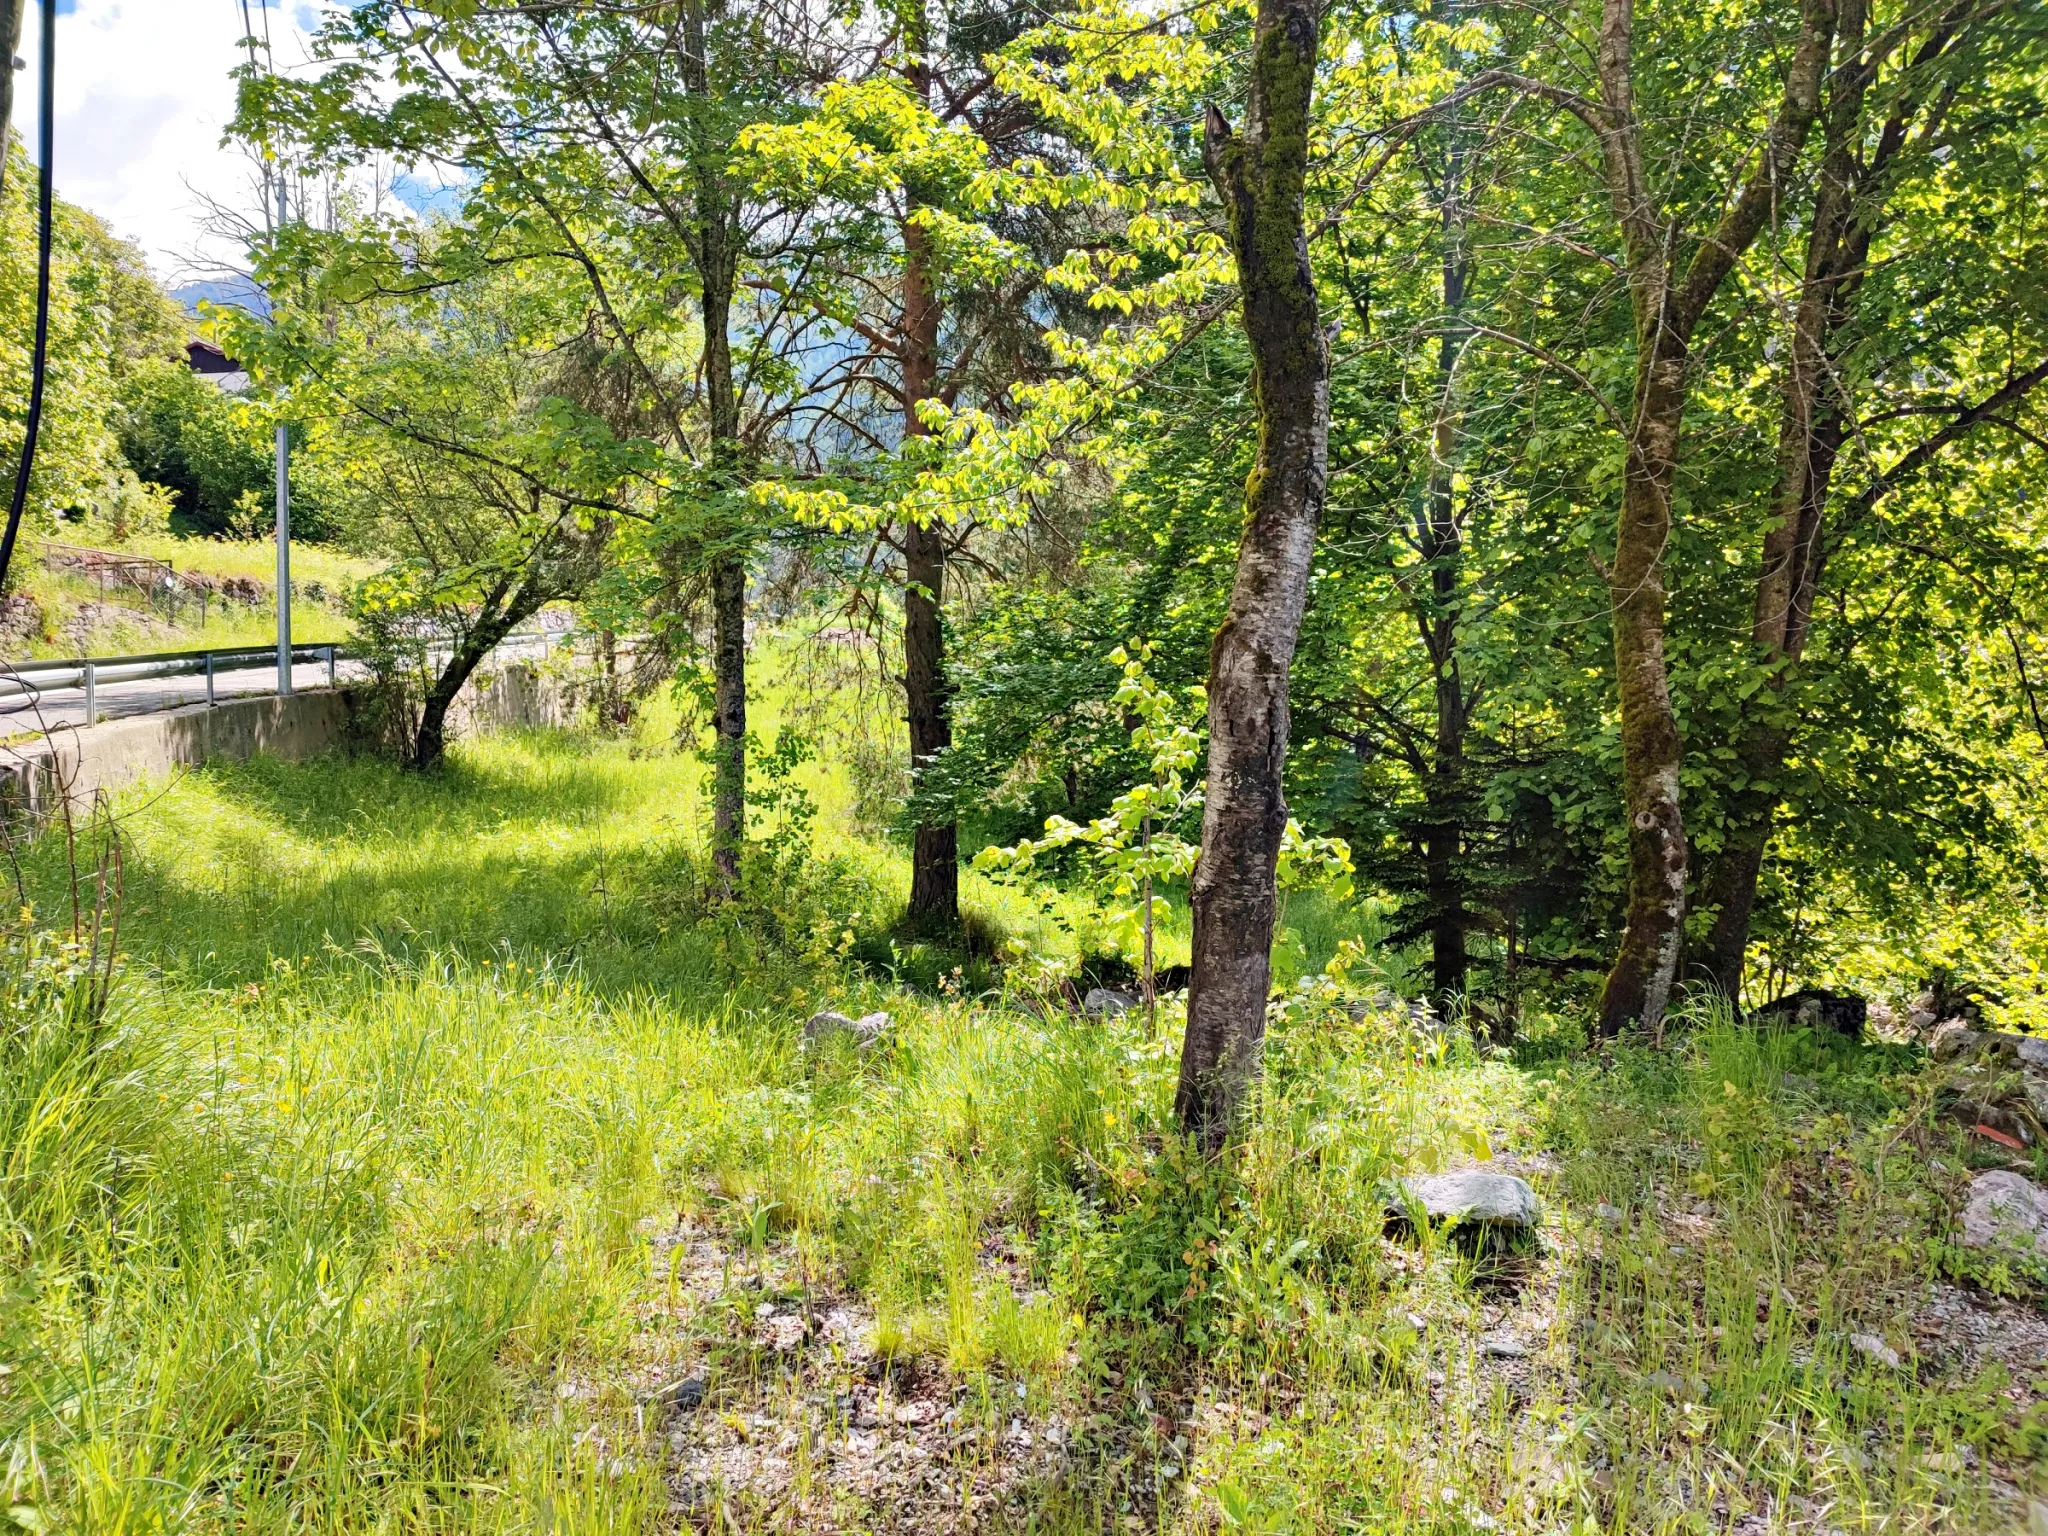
(92,679)
(330,666)
(284,522)
(209,679)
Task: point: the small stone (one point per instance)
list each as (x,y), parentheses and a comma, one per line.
(1487,1199)
(1874,1348)
(1613,1215)
(2007,1213)
(1504,1346)
(2037,1518)
(1104,1002)
(1418,1322)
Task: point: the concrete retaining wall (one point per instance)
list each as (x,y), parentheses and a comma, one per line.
(116,753)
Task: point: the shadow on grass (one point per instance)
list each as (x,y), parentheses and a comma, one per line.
(341,797)
(534,844)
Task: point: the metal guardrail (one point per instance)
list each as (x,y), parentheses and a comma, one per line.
(30,680)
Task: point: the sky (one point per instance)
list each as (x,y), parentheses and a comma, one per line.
(142,96)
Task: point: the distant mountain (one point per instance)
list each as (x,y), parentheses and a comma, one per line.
(236,292)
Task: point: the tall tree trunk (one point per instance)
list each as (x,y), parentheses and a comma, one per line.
(715,248)
(1639,985)
(935,850)
(1440,542)
(728,584)
(1259,176)
(1668,307)
(1849,202)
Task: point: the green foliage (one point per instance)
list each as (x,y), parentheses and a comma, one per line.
(108,319)
(215,454)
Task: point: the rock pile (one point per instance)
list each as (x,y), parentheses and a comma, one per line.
(1816,1008)
(2000,1084)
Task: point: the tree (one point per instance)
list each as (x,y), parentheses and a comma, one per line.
(603,137)
(1674,271)
(107,319)
(932,182)
(471,417)
(1259,174)
(1894,96)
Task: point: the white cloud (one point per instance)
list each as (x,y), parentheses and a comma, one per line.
(143,94)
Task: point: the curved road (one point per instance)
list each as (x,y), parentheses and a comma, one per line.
(51,709)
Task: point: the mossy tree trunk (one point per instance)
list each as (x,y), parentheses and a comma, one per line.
(1259,175)
(713,239)
(1668,305)
(935,847)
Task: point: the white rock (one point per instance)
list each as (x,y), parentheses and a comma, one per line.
(1952,1038)
(1490,1199)
(2006,1212)
(865,1030)
(1504,1346)
(1107,1002)
(1874,1348)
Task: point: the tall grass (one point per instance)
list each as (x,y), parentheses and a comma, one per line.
(347,1215)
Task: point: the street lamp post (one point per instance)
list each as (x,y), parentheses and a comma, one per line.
(284,521)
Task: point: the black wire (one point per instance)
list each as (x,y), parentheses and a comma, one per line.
(48,126)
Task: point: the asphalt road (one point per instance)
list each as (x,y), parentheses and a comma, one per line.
(58,708)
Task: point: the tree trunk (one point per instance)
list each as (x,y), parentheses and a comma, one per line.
(430,741)
(1639,985)
(1259,176)
(715,248)
(1812,426)
(1440,542)
(729,703)
(935,850)
(935,853)
(1668,307)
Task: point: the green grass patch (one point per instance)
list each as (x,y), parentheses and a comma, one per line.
(364,1206)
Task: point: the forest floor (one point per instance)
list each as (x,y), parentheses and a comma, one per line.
(446,1161)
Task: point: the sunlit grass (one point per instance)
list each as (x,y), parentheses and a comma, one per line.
(344,1219)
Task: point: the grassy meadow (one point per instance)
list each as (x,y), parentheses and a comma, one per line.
(445,1160)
